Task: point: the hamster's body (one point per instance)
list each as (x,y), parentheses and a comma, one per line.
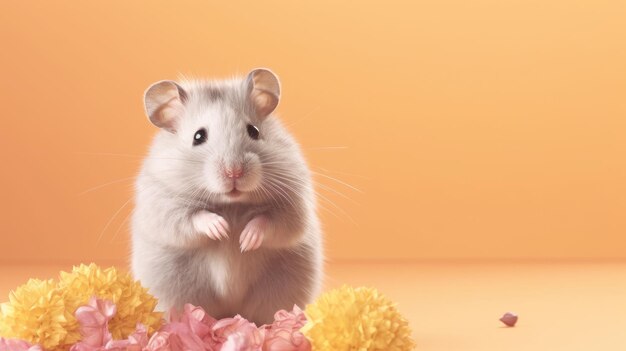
(228,223)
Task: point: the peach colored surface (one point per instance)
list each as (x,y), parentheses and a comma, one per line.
(475,129)
(456,306)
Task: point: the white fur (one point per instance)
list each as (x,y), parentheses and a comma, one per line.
(181,264)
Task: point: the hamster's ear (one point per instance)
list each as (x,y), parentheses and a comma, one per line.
(164,104)
(264,90)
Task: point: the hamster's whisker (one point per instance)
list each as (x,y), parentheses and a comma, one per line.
(325,148)
(260,192)
(277,164)
(121,225)
(287,190)
(309,201)
(186,200)
(323,186)
(206,195)
(291,185)
(278,191)
(288,177)
(254,194)
(336,206)
(277,178)
(178,159)
(136,156)
(106,184)
(292,189)
(112,218)
(282,180)
(322,206)
(343,173)
(196,197)
(200,195)
(278,155)
(109,154)
(269,194)
(319,173)
(180,195)
(338,181)
(284,175)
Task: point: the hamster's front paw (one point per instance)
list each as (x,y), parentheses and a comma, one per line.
(253,234)
(211,224)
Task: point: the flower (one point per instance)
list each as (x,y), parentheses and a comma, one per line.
(180,334)
(42,312)
(356,319)
(237,334)
(94,324)
(91,309)
(35,313)
(197,330)
(160,341)
(134,304)
(194,320)
(17,345)
(284,334)
(94,320)
(140,336)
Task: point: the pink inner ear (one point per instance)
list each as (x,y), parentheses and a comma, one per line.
(163,104)
(264,102)
(172,110)
(167,115)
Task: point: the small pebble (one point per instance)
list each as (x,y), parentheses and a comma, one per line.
(509,319)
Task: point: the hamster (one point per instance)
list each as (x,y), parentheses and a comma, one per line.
(225,210)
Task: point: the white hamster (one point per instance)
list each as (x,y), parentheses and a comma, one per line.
(225,213)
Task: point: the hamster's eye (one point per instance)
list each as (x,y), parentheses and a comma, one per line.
(199,137)
(253,132)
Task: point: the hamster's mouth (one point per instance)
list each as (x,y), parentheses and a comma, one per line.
(233,193)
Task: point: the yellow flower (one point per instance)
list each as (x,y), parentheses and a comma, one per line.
(356,319)
(42,312)
(35,313)
(134,303)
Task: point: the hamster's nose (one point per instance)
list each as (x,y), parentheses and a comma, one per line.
(234,172)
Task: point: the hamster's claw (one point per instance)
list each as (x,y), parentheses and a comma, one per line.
(213,225)
(222,227)
(252,235)
(216,232)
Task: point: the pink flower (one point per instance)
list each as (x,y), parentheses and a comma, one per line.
(284,334)
(140,336)
(190,329)
(159,342)
(94,328)
(94,324)
(181,334)
(236,334)
(198,320)
(135,342)
(193,330)
(194,320)
(17,345)
(172,341)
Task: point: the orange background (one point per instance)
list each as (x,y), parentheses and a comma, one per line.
(474,129)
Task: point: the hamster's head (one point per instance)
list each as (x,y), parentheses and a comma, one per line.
(219,141)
